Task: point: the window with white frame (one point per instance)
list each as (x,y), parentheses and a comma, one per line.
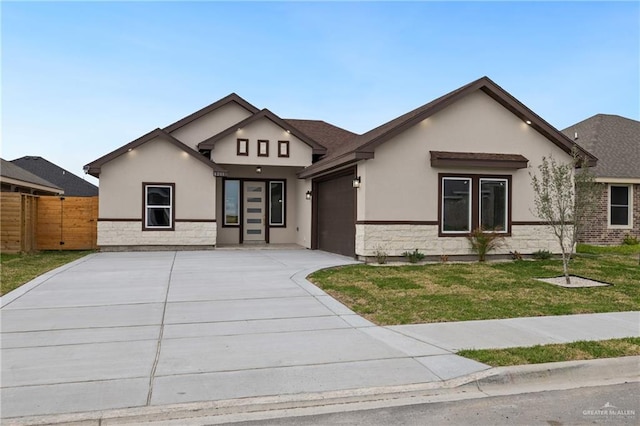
(472,201)
(158,206)
(620,208)
(276,203)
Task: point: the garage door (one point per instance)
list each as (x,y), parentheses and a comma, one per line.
(336,229)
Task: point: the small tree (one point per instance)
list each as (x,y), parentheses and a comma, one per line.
(565,195)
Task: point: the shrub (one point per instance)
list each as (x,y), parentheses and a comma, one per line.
(630,240)
(381,255)
(542,254)
(413,256)
(482,242)
(444,258)
(516,255)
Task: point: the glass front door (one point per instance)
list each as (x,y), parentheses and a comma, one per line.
(254,212)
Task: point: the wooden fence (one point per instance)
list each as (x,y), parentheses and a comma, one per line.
(18,222)
(48,222)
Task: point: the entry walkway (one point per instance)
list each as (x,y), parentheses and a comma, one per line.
(120,330)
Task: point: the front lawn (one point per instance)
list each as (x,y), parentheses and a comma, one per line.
(442,292)
(18,269)
(539,354)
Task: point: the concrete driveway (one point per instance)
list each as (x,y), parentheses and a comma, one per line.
(117,330)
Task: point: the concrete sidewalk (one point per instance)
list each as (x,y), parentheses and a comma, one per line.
(125,330)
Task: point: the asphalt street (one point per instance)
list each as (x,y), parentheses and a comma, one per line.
(602,405)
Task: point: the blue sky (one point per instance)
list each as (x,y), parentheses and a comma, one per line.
(80,79)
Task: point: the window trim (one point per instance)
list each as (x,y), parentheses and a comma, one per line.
(286,146)
(284,204)
(224,203)
(172,206)
(475,203)
(629,206)
(507,201)
(242,152)
(263,143)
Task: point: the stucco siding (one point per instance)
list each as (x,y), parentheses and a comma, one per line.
(211,124)
(131,234)
(157,161)
(303,213)
(225,151)
(400,184)
(396,239)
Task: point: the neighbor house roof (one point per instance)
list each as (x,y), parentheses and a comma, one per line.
(363,146)
(93,168)
(15,175)
(210,108)
(73,185)
(265,113)
(614,140)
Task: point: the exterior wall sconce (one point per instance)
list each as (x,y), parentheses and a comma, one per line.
(308,195)
(259,169)
(356,182)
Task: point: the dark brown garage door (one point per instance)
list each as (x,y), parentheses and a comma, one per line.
(336,226)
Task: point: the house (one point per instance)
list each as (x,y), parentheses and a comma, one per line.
(615,141)
(73,186)
(16,179)
(233,174)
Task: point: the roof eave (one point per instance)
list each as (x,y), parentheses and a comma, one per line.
(94,167)
(325,167)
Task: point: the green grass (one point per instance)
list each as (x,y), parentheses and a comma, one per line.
(539,354)
(476,291)
(622,250)
(18,269)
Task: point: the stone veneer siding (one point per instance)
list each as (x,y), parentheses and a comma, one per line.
(597,230)
(396,239)
(131,234)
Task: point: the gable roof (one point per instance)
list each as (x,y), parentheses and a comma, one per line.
(614,140)
(210,108)
(363,146)
(265,113)
(93,168)
(330,136)
(73,185)
(15,174)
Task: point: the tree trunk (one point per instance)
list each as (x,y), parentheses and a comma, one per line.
(565,267)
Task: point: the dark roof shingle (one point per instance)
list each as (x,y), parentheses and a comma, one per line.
(614,140)
(73,186)
(13,171)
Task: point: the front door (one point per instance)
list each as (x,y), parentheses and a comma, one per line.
(254,212)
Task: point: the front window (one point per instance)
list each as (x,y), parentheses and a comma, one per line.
(232,202)
(158,206)
(619,205)
(456,205)
(276,198)
(493,204)
(474,201)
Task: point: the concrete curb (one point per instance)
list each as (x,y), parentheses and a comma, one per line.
(27,287)
(493,382)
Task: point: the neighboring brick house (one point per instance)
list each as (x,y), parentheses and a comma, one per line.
(615,141)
